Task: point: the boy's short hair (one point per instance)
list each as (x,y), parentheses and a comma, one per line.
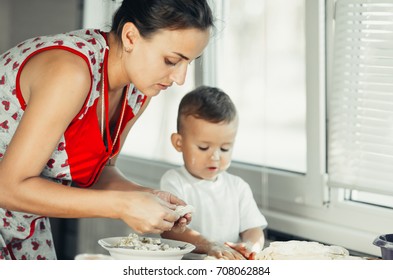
(207,103)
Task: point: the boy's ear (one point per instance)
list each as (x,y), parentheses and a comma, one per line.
(176,141)
(129,36)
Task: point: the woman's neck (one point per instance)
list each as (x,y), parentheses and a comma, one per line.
(117,78)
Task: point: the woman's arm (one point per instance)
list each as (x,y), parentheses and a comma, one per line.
(55,85)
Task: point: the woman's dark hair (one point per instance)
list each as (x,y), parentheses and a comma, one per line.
(207,103)
(151,15)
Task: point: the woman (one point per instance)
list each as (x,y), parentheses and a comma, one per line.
(68,102)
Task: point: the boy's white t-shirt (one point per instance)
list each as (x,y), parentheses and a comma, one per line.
(223,208)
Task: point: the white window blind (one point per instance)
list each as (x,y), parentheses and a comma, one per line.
(360,103)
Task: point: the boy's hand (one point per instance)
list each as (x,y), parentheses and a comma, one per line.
(224,252)
(243,249)
(181,224)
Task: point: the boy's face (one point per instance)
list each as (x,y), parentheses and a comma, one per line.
(207,147)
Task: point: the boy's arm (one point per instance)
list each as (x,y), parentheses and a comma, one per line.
(203,245)
(254,238)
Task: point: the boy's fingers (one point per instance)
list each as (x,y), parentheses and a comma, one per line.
(252,256)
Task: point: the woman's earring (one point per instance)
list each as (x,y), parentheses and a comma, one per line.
(128,49)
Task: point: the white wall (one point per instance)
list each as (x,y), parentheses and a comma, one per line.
(98,13)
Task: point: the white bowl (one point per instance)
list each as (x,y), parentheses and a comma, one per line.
(133,254)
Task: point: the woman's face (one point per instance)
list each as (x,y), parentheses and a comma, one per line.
(154,64)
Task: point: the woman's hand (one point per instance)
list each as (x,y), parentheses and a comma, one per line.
(181,224)
(146,212)
(152,211)
(168,197)
(151,205)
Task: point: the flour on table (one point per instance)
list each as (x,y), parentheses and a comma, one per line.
(302,250)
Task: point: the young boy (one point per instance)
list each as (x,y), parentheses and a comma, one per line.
(227,223)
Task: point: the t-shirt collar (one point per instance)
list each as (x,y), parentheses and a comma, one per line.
(196,181)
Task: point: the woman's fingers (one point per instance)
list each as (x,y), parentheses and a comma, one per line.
(171,199)
(153,227)
(155,213)
(148,213)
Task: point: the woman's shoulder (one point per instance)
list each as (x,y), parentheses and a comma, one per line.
(71,59)
(56,75)
(86,41)
(65,52)
(59,66)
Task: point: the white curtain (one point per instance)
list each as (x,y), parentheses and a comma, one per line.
(360,103)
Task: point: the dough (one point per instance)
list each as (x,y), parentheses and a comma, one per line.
(136,242)
(182,210)
(302,250)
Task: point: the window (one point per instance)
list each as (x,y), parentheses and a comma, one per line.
(369,198)
(361,102)
(260,57)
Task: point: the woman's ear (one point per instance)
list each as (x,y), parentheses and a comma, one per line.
(177,141)
(129,36)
